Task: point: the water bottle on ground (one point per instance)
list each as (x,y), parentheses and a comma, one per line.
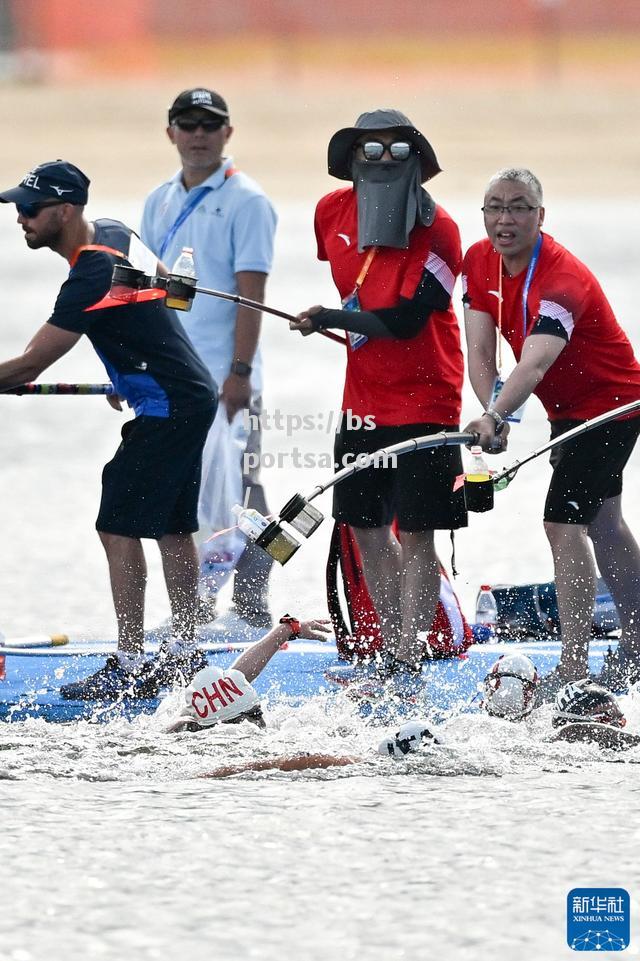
(478,486)
(486,613)
(183,271)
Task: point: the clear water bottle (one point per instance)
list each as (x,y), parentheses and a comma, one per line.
(251,522)
(183,271)
(478,486)
(486,608)
(478,470)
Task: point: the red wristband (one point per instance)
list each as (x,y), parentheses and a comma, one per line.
(294,625)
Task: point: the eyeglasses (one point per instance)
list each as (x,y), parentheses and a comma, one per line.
(374,149)
(32,210)
(189,124)
(513,210)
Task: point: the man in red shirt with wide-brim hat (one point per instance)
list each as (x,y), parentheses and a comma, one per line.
(394,257)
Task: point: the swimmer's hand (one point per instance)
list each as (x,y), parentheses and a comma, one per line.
(315,630)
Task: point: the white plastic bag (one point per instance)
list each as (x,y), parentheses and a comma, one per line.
(220,489)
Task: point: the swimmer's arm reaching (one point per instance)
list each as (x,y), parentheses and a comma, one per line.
(298,762)
(601,734)
(253,661)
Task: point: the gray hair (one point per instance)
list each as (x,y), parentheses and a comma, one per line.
(520,175)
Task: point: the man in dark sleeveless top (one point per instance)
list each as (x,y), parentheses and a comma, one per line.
(150,487)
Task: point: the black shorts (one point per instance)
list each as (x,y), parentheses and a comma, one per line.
(418,491)
(151,486)
(587,471)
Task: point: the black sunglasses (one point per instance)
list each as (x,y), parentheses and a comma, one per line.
(32,210)
(374,149)
(189,124)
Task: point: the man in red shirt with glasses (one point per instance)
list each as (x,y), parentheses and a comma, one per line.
(394,257)
(572,353)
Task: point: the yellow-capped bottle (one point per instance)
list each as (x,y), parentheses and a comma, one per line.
(184,273)
(478,486)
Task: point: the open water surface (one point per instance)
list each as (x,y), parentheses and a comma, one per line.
(113,846)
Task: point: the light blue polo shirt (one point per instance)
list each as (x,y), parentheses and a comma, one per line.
(230,229)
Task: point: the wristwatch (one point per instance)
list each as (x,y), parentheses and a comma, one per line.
(241,368)
(294,625)
(496,418)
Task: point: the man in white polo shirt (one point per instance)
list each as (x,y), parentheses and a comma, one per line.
(230,224)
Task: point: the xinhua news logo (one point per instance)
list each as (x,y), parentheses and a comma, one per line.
(598,919)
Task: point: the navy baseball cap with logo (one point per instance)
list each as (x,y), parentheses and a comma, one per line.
(55,180)
(202,99)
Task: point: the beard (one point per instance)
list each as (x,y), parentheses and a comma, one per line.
(47,237)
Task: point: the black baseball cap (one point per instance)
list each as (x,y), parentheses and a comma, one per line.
(54,180)
(201,98)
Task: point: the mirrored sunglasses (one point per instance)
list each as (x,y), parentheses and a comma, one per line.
(189,124)
(374,150)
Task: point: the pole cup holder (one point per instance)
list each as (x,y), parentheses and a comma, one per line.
(126,282)
(301,515)
(478,495)
(277,543)
(180,292)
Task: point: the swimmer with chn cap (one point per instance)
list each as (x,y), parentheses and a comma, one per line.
(226,696)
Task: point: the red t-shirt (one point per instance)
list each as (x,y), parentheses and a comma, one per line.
(597,370)
(397,381)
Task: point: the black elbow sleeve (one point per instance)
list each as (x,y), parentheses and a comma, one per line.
(405,321)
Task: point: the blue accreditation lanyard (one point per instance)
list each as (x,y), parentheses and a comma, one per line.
(193,199)
(516,416)
(527,282)
(185,213)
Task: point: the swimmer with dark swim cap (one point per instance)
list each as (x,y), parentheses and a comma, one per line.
(586,711)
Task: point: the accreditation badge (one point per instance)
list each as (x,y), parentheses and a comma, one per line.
(352,302)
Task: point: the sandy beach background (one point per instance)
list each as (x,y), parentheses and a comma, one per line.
(568,109)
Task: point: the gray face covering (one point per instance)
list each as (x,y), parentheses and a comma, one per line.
(391,201)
